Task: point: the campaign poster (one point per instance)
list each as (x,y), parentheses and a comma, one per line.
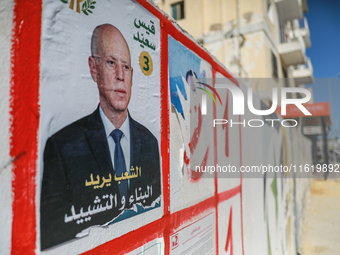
(195,238)
(191,139)
(99,161)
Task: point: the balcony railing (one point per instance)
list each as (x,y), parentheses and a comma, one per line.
(293,51)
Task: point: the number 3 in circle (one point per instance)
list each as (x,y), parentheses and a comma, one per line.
(145,63)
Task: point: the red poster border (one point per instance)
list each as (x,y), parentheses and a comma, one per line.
(24,110)
(25,115)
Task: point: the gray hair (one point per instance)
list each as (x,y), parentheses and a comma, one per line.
(94,42)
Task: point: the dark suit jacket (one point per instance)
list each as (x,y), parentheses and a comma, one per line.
(75,153)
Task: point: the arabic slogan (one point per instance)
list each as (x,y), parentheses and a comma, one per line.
(140,194)
(125,176)
(111,202)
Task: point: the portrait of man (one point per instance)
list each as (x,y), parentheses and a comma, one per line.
(101,166)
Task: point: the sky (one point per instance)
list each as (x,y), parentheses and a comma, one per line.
(324,25)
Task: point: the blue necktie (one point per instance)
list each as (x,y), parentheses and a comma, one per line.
(120,167)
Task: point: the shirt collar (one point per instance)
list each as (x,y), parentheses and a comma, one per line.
(109,127)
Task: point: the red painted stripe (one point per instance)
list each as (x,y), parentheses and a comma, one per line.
(131,240)
(165,131)
(195,176)
(151,9)
(226,127)
(241,180)
(229,242)
(225,195)
(187,214)
(147,233)
(242,220)
(165,121)
(156,229)
(215,134)
(192,222)
(166,225)
(166,234)
(24,110)
(215,163)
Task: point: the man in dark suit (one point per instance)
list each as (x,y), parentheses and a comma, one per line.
(100,166)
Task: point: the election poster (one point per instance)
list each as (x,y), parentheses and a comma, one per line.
(195,238)
(99,162)
(191,142)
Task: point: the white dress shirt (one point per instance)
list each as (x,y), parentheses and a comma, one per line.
(124,141)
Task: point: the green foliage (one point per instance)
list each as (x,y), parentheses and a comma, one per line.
(87,5)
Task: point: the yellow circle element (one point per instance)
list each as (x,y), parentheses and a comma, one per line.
(145,63)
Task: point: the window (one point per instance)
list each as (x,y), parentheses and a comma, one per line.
(274,66)
(177,10)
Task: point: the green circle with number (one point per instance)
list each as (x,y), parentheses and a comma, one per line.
(145,63)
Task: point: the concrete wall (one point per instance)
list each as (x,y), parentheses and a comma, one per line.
(46,84)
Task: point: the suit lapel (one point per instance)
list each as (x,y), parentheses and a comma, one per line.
(98,144)
(135,149)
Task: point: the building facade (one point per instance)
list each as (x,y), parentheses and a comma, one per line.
(253,39)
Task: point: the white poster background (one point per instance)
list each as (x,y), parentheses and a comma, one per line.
(68,93)
(196,238)
(185,192)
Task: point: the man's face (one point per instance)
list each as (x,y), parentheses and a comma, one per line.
(112,71)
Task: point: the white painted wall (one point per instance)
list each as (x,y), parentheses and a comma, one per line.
(258,146)
(6,25)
